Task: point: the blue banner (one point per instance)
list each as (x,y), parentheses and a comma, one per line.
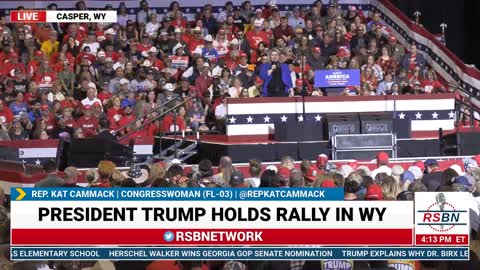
(243,253)
(337,78)
(176,194)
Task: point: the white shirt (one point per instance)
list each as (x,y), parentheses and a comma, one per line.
(93,47)
(234,92)
(253,182)
(221,111)
(151,29)
(296,22)
(87,101)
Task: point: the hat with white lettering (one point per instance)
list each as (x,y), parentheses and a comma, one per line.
(147,63)
(258,22)
(138,174)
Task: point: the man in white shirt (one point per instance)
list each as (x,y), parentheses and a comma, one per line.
(296,21)
(91,99)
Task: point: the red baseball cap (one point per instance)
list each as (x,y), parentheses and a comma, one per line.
(44,107)
(419,164)
(284,173)
(97,104)
(299,82)
(322,160)
(39,54)
(87,107)
(312,173)
(316,49)
(374,193)
(328,183)
(392,38)
(382,157)
(243,54)
(258,80)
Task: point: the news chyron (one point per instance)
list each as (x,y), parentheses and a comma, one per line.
(236,224)
(62,16)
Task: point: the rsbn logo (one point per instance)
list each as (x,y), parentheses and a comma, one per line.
(441,216)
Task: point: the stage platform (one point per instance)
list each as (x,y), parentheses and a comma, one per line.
(214,146)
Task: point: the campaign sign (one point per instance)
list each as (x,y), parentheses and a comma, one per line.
(337,78)
(179,61)
(442,218)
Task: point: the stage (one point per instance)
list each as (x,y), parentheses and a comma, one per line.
(214,146)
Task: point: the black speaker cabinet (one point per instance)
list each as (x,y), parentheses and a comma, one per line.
(86,153)
(343,124)
(461,143)
(308,130)
(376,123)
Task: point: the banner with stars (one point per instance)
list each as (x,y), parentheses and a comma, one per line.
(423,113)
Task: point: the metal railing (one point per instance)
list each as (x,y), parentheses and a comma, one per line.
(20,167)
(151,120)
(155,110)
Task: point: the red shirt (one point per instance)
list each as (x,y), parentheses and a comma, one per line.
(430,85)
(71,123)
(104,95)
(125,120)
(50,121)
(278,32)
(254,38)
(114,114)
(9,66)
(153,130)
(167,124)
(32,67)
(6,113)
(181,24)
(202,84)
(194,42)
(143,47)
(30,98)
(88,126)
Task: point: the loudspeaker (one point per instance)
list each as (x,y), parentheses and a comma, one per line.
(8,153)
(86,153)
(299,131)
(376,123)
(343,124)
(461,143)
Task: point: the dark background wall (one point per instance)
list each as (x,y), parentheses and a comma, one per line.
(462,18)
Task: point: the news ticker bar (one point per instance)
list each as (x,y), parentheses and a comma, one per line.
(176,194)
(241,253)
(62,16)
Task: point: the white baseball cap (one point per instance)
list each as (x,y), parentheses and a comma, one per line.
(168,87)
(208,38)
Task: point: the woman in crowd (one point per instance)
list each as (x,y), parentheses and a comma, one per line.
(386,61)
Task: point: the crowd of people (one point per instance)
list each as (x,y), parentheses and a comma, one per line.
(84,79)
(57,77)
(384,182)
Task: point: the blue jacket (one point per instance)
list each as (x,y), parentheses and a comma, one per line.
(286,78)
